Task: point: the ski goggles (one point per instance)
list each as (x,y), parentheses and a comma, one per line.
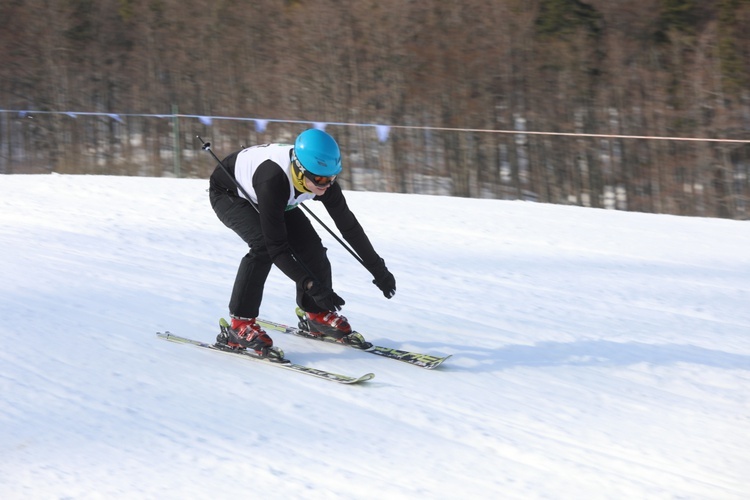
(321,181)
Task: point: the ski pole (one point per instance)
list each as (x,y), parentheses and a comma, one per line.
(206,146)
(343,244)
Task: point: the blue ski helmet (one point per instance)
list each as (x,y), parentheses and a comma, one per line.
(318,152)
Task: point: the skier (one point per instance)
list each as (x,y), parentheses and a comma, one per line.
(277,178)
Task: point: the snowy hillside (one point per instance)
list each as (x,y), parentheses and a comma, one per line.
(596,354)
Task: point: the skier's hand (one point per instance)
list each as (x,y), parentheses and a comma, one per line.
(324,296)
(383,279)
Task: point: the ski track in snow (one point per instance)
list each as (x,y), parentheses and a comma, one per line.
(596,354)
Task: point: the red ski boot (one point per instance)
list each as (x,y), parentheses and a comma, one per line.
(328,324)
(247,334)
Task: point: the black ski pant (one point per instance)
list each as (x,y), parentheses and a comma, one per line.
(239,215)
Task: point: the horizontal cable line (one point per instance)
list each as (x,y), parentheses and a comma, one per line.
(116,116)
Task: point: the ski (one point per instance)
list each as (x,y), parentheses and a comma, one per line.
(427,361)
(283,363)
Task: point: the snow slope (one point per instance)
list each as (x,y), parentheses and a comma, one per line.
(596,354)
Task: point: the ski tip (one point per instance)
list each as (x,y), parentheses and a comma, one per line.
(363,378)
(437,363)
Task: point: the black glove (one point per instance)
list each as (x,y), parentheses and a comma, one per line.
(323,296)
(383,278)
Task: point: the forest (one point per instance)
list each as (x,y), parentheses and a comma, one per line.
(640,105)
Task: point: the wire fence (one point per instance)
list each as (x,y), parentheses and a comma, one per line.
(676,175)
